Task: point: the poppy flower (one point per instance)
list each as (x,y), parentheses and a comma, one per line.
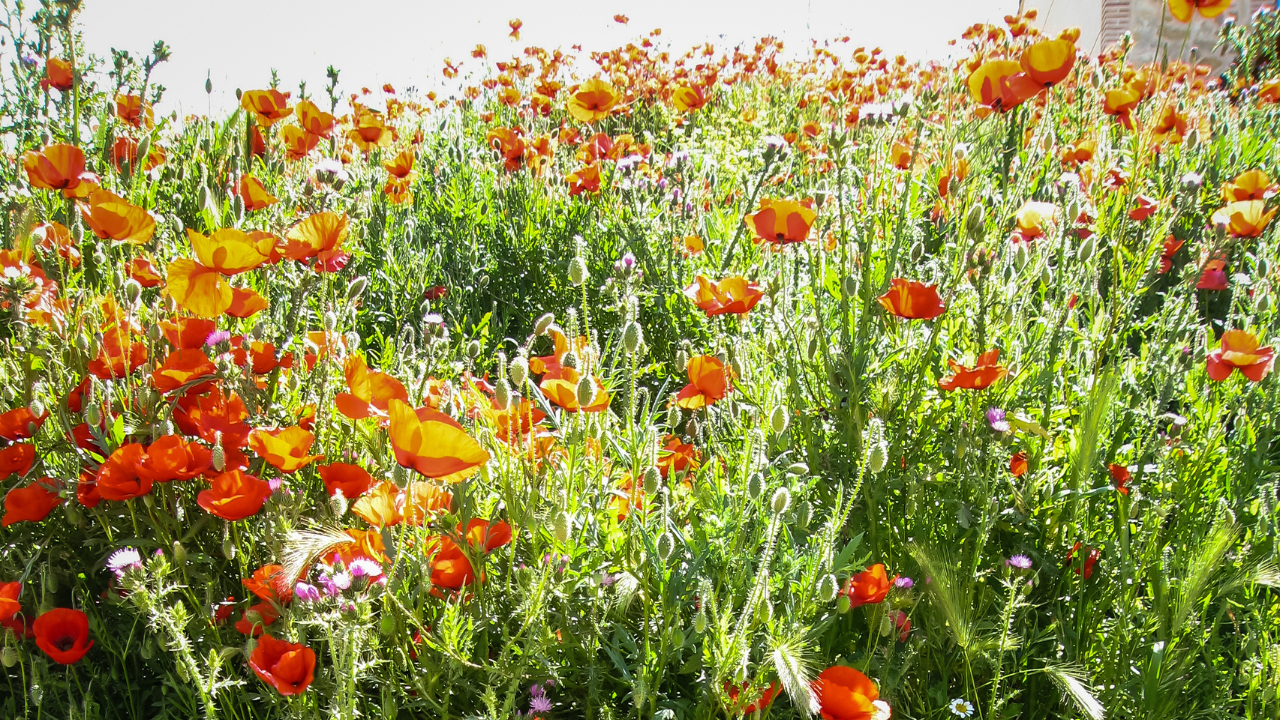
(1081,151)
(245,303)
(235,495)
(509,144)
(450,567)
(57,74)
(1249,185)
(369,131)
(1183,9)
(319,236)
(594,100)
(400,166)
(1122,101)
(119,478)
(1144,208)
(1171,247)
(371,391)
(1121,475)
(56,237)
(119,355)
(198,289)
(1214,276)
(285,666)
(59,167)
(16,459)
(1170,126)
(869,587)
(675,456)
(688,98)
(87,489)
(255,624)
(145,273)
(29,504)
(1049,62)
(111,217)
(364,544)
(561,388)
(1001,85)
(981,376)
(1091,557)
(9,605)
(269,584)
(352,480)
(1033,219)
(231,251)
(254,194)
(708,383)
(1244,218)
(782,221)
(902,623)
(182,367)
(129,109)
(1018,464)
(424,501)
(584,180)
(266,106)
(732,295)
(432,443)
(689,245)
(912,300)
(1239,351)
(844,693)
(1269,92)
(297,142)
(173,457)
(380,507)
(285,449)
(766,697)
(63,635)
(313,120)
(20,424)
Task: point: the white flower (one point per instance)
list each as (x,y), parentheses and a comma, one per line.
(882,711)
(960,708)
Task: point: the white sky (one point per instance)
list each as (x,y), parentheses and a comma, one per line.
(403,42)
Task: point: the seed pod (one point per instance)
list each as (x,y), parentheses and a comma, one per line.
(543,322)
(586,391)
(356,288)
(781,500)
(563,524)
(632,336)
(652,480)
(666,546)
(518,370)
(779,419)
(755,485)
(570,360)
(501,395)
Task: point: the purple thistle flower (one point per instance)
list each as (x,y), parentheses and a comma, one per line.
(364,567)
(540,704)
(123,560)
(306,592)
(536,691)
(1021,562)
(995,417)
(904,583)
(216,337)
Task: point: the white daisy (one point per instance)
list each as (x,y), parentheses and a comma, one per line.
(960,708)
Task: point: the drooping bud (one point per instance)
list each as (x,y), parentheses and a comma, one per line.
(691,427)
(132,291)
(36,407)
(673,416)
(473,349)
(179,553)
(330,321)
(973,222)
(797,468)
(356,288)
(229,549)
(677,636)
(586,391)
(1046,275)
(876,458)
(543,322)
(9,656)
(1086,249)
(700,623)
(827,588)
(781,500)
(1020,256)
(387,624)
(779,419)
(681,360)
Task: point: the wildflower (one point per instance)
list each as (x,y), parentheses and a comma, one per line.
(996,419)
(59,167)
(732,295)
(119,477)
(782,222)
(1239,351)
(285,449)
(319,236)
(1018,464)
(765,699)
(594,100)
(306,592)
(960,708)
(1183,9)
(124,560)
(286,666)
(20,423)
(266,106)
(912,300)
(313,121)
(1033,218)
(1092,555)
(844,693)
(253,622)
(9,605)
(255,194)
(433,443)
(1021,562)
(1001,85)
(350,480)
(1244,218)
(63,635)
(57,74)
(1250,185)
(382,507)
(450,567)
(1171,247)
(235,495)
(708,383)
(1121,475)
(1144,208)
(869,587)
(1214,276)
(688,98)
(1049,62)
(902,624)
(903,583)
(29,504)
(371,391)
(269,584)
(983,375)
(540,704)
(16,459)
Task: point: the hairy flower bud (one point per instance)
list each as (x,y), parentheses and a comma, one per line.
(632,336)
(781,500)
(673,416)
(330,321)
(518,370)
(681,360)
(570,360)
(356,288)
(9,656)
(779,419)
(797,468)
(666,546)
(502,394)
(652,479)
(755,485)
(543,322)
(219,457)
(563,523)
(132,291)
(691,427)
(179,553)
(973,222)
(700,623)
(586,391)
(827,588)
(876,458)
(473,349)
(338,503)
(578,270)
(804,512)
(1086,249)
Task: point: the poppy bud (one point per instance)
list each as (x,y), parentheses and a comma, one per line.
(738,367)
(518,370)
(827,588)
(586,391)
(473,349)
(1085,251)
(229,552)
(673,416)
(146,650)
(700,623)
(578,271)
(219,458)
(781,500)
(1046,275)
(973,222)
(842,604)
(570,360)
(677,637)
(651,480)
(330,321)
(779,419)
(681,360)
(179,553)
(632,336)
(797,468)
(176,222)
(144,148)
(666,546)
(73,515)
(387,624)
(691,427)
(804,512)
(208,85)
(562,526)
(543,322)
(1263,268)
(238,93)
(1020,256)
(356,288)
(9,656)
(755,485)
(722,356)
(92,414)
(876,458)
(202,198)
(36,407)
(338,503)
(1263,303)
(132,291)
(886,625)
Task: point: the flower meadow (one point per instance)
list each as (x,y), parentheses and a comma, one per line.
(645,383)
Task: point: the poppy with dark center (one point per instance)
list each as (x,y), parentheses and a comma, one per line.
(782,221)
(594,100)
(730,296)
(59,167)
(235,495)
(63,635)
(912,300)
(287,667)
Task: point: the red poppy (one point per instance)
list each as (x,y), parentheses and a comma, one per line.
(980,377)
(869,587)
(677,456)
(319,236)
(63,634)
(57,74)
(119,477)
(111,217)
(1001,85)
(1171,247)
(207,416)
(1092,555)
(766,697)
(371,391)
(1214,276)
(253,622)
(902,623)
(235,495)
(119,355)
(87,489)
(1121,475)
(844,693)
(450,567)
(29,504)
(352,480)
(1018,464)
(270,584)
(1239,351)
(20,424)
(782,222)
(16,459)
(912,300)
(1144,208)
(182,368)
(732,295)
(9,605)
(708,383)
(286,666)
(145,272)
(59,167)
(173,457)
(436,292)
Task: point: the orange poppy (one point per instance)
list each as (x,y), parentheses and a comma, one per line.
(1001,85)
(1239,351)
(594,100)
(708,383)
(54,236)
(285,449)
(1049,62)
(381,506)
(57,74)
(266,106)
(424,501)
(269,584)
(9,605)
(231,251)
(173,457)
(59,167)
(235,495)
(16,459)
(255,624)
(319,236)
(1122,101)
(1183,9)
(313,120)
(198,289)
(129,109)
(1121,475)
(1018,464)
(1245,218)
(517,421)
(1269,92)
(982,376)
(1170,126)
(254,194)
(20,423)
(111,217)
(364,544)
(678,457)
(732,295)
(351,480)
(509,143)
(869,587)
(584,180)
(782,221)
(119,477)
(297,142)
(371,391)
(432,443)
(119,355)
(400,166)
(912,300)
(285,666)
(369,131)
(766,698)
(1033,219)
(450,567)
(688,98)
(245,303)
(844,693)
(182,367)
(690,245)
(142,270)
(63,635)
(29,504)
(1250,185)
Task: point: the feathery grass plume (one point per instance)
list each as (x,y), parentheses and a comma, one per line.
(1089,430)
(951,597)
(1205,561)
(1071,681)
(793,662)
(303,546)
